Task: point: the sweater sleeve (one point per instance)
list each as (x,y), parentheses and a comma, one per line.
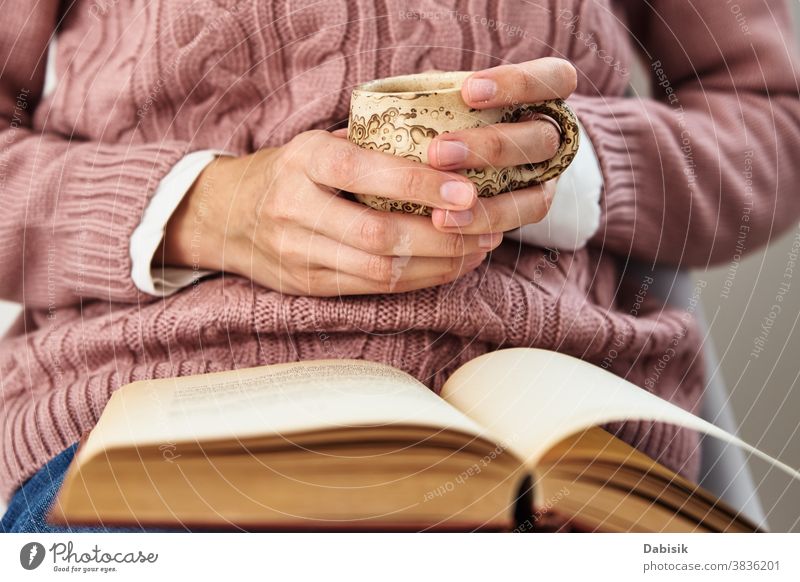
(69,206)
(710,164)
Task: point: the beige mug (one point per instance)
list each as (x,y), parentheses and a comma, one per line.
(402,115)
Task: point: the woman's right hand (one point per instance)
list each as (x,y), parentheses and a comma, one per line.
(277,217)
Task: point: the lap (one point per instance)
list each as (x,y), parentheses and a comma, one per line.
(28,507)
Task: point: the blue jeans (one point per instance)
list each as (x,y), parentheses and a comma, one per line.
(30,504)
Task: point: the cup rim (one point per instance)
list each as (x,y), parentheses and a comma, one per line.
(454,78)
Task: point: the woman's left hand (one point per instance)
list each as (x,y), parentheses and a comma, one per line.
(504,144)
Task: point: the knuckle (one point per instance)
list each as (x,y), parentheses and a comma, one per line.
(539,211)
(379,270)
(303,142)
(551,139)
(568,77)
(313,133)
(346,162)
(337,165)
(277,208)
(456,265)
(411,184)
(453,245)
(376,234)
(522,80)
(304,136)
(495,147)
(493,217)
(287,162)
(295,144)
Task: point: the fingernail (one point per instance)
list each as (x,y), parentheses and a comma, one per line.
(490,241)
(457,218)
(458,193)
(450,153)
(481,89)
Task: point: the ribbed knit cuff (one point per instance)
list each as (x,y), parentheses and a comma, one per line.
(102,200)
(615,126)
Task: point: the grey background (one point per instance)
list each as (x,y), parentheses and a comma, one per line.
(764,390)
(764,387)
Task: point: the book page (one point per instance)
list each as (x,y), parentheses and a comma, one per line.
(269,400)
(529,399)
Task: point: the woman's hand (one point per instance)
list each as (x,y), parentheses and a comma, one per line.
(505,144)
(277,217)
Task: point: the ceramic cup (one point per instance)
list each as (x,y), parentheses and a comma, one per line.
(402,115)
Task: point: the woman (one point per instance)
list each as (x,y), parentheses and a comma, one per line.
(172,207)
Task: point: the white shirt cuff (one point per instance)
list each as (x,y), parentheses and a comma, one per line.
(147,236)
(574,215)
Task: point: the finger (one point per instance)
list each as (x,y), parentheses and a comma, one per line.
(501,145)
(529,82)
(306,250)
(321,267)
(341,132)
(340,164)
(388,271)
(332,283)
(389,233)
(500,213)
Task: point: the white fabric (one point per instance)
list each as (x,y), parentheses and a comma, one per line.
(147,237)
(50,77)
(574,216)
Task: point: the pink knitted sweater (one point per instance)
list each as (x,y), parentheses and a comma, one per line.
(142,83)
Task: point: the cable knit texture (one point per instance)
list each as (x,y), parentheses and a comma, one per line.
(142,83)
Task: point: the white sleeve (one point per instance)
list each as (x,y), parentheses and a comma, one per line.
(574,215)
(147,236)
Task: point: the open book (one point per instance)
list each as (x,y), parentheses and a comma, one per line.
(346,444)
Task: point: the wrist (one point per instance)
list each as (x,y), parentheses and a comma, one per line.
(192,238)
